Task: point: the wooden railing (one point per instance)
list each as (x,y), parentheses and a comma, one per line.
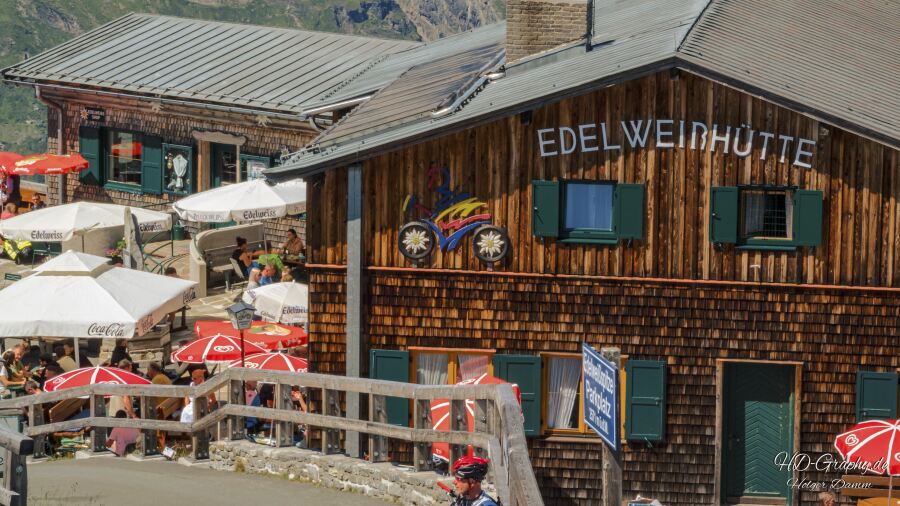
(14,489)
(498,433)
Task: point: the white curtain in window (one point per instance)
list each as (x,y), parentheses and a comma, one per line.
(789,214)
(472,366)
(431,369)
(754,211)
(565,377)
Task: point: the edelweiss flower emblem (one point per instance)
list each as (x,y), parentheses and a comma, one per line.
(852,440)
(490,244)
(415,241)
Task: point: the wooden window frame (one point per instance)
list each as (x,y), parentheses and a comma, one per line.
(583,431)
(453,353)
(106,153)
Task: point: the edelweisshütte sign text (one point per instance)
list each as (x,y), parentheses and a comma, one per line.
(669,133)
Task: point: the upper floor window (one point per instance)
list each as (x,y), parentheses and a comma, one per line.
(765,217)
(766,213)
(589,207)
(590,212)
(123,157)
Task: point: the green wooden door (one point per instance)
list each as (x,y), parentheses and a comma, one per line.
(224,164)
(759,425)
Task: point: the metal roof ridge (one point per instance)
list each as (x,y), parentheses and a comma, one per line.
(696,22)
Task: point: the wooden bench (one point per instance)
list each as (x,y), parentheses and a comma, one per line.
(868,487)
(62,411)
(164,411)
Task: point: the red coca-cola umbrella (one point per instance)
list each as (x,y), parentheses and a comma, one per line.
(273,362)
(94,376)
(127,149)
(873,446)
(8,160)
(440,414)
(268,335)
(217,348)
(47,165)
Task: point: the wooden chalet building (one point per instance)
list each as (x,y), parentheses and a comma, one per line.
(164,107)
(713,187)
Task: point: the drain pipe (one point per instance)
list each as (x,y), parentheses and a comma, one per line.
(60,147)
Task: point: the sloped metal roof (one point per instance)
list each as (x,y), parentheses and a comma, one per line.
(240,65)
(386,69)
(837,60)
(615,19)
(515,92)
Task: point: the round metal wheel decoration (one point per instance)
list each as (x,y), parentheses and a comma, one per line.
(490,243)
(416,240)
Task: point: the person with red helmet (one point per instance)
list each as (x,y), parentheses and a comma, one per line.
(468,473)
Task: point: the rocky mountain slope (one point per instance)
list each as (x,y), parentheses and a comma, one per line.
(28,27)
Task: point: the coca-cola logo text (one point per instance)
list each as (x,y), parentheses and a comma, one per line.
(108,330)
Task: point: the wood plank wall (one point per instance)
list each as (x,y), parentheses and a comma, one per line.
(175,127)
(497,161)
(833,332)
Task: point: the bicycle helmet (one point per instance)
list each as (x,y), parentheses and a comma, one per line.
(470,467)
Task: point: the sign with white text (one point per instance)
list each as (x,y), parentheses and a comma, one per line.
(601,395)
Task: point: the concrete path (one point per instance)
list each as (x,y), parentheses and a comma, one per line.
(110,481)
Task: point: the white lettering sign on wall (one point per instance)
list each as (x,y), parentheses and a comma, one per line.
(669,134)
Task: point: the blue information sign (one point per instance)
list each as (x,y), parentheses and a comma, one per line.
(601,395)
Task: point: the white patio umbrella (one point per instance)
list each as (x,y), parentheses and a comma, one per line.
(252,200)
(280,302)
(80,295)
(60,223)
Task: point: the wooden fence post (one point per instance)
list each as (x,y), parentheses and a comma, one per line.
(35,418)
(458,422)
(200,439)
(378,445)
(611,472)
(481,417)
(237,428)
(98,434)
(16,478)
(148,412)
(331,438)
(283,431)
(422,420)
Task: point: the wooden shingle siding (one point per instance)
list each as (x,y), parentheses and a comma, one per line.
(497,161)
(689,325)
(175,127)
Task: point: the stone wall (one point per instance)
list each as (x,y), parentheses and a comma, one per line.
(533,26)
(384,481)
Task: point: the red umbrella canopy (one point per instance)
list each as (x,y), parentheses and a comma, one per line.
(873,446)
(127,149)
(48,164)
(217,348)
(440,414)
(273,362)
(8,160)
(270,336)
(94,376)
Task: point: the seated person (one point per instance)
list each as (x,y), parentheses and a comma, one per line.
(293,248)
(156,374)
(36,202)
(253,278)
(6,377)
(242,255)
(121,438)
(198,376)
(268,275)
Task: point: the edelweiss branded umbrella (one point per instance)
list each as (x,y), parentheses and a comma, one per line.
(94,376)
(60,223)
(280,302)
(273,362)
(252,200)
(81,295)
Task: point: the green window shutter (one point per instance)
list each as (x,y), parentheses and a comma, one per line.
(723,219)
(629,211)
(525,371)
(807,217)
(876,396)
(392,365)
(545,208)
(151,164)
(89,147)
(645,400)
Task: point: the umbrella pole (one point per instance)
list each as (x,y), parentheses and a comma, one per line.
(77,354)
(890,486)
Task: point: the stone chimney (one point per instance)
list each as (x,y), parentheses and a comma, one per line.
(533,26)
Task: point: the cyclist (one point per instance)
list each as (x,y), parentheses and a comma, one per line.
(468,473)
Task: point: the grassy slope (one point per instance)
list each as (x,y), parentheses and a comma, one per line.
(33,26)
